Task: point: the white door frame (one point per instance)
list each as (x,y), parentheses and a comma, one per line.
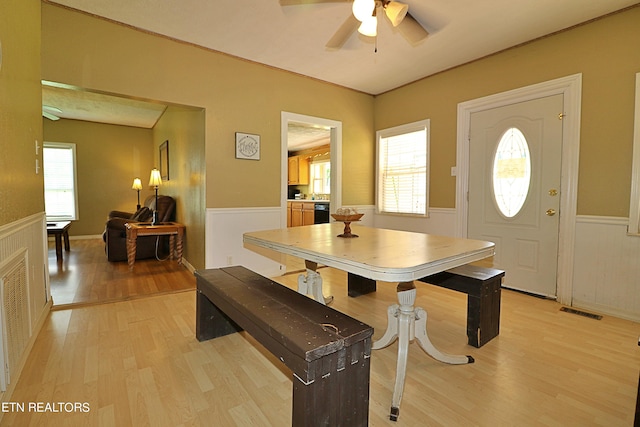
(571,88)
(335,157)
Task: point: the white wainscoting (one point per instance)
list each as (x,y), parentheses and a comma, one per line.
(224,230)
(225,226)
(27,239)
(30,234)
(606,270)
(441,221)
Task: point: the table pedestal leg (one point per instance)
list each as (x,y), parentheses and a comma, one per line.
(406,323)
(311,284)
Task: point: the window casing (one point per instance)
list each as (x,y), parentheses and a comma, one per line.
(402,174)
(634,208)
(60,184)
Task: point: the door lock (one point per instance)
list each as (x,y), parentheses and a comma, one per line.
(550,212)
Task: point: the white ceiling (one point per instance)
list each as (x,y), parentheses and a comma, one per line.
(302,136)
(293,37)
(67,102)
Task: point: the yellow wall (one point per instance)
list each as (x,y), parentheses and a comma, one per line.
(606,52)
(238,96)
(21,189)
(183,127)
(108,158)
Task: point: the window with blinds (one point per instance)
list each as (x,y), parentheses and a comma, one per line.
(59,165)
(320,177)
(402,174)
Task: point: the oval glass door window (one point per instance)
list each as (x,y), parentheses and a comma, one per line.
(511,172)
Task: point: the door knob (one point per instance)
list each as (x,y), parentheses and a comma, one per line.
(550,212)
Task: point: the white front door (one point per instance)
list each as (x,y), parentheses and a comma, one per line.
(514,189)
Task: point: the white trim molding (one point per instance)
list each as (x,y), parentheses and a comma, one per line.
(634,208)
(335,156)
(571,88)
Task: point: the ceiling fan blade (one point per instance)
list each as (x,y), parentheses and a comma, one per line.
(344,32)
(297,2)
(50,116)
(412,30)
(50,112)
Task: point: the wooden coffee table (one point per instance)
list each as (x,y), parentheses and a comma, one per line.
(60,231)
(174,230)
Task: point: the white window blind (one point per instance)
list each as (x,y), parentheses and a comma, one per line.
(59,166)
(402,186)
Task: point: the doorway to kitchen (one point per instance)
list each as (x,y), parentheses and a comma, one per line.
(292,121)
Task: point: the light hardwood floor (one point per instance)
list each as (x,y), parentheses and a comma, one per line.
(84,276)
(137,362)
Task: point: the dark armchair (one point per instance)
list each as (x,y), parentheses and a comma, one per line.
(115,234)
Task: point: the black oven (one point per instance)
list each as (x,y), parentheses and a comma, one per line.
(321,213)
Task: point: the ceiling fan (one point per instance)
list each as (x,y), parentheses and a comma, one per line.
(365,19)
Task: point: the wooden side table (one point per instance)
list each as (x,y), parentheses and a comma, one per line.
(174,230)
(60,231)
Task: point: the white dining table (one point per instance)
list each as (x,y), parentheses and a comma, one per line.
(383,255)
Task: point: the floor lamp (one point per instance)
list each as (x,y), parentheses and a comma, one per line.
(154,181)
(137,185)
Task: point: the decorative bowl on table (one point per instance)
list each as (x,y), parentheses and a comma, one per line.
(347,216)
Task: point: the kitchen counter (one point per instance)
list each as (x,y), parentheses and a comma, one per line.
(308,201)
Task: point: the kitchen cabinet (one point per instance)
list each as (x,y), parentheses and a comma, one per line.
(298,170)
(302,213)
(308,214)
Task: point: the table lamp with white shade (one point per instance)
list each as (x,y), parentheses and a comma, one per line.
(137,185)
(155,181)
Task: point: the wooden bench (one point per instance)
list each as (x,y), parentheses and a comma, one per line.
(328,352)
(482,286)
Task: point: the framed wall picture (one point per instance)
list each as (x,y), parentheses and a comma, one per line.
(247,146)
(164,160)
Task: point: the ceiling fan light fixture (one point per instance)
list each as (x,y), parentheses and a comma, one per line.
(369,27)
(396,12)
(363,9)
